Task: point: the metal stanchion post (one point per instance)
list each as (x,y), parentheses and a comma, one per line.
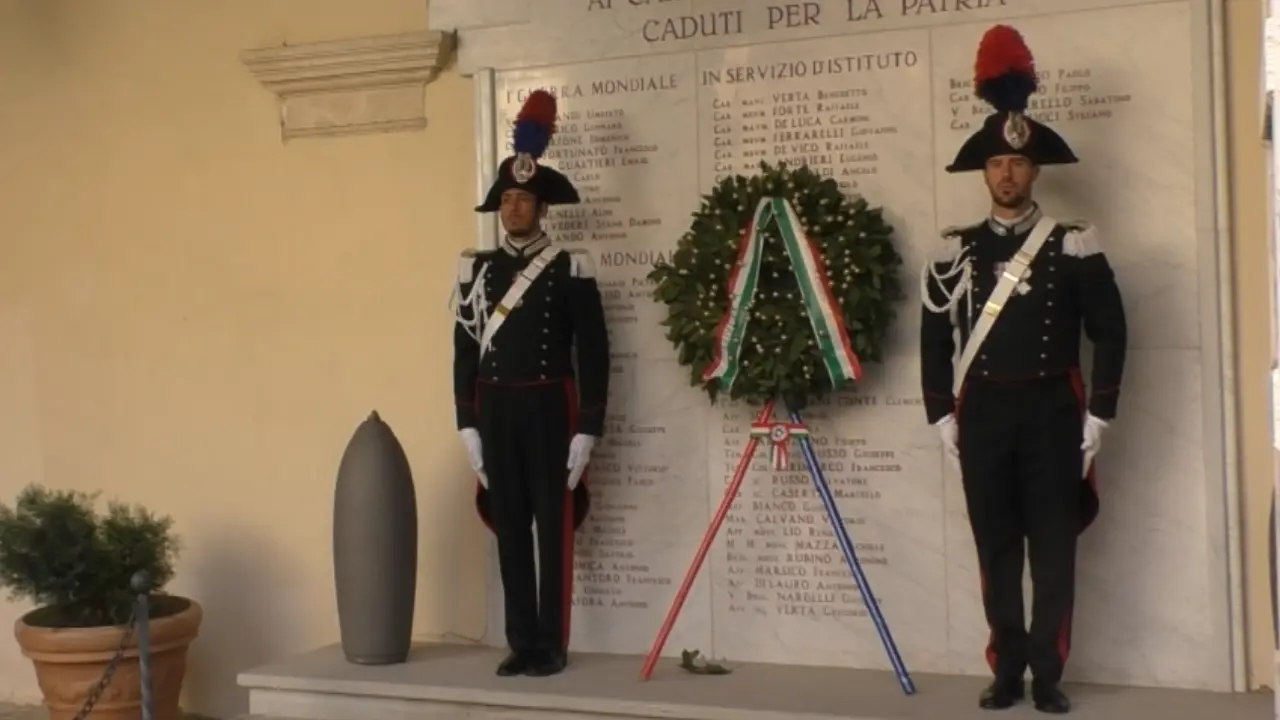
(141,585)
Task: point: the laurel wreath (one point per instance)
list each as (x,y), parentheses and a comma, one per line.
(779,358)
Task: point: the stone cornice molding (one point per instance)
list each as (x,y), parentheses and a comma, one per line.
(354,86)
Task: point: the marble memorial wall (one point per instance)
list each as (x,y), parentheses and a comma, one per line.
(881,110)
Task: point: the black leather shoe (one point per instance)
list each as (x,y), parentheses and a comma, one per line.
(548,662)
(1049,698)
(517,663)
(1002,694)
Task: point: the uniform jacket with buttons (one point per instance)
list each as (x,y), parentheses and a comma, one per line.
(1070,285)
(560,311)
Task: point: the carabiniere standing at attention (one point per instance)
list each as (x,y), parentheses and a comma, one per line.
(1012,411)
(530,380)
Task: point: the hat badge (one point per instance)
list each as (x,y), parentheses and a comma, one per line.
(1017,131)
(524,168)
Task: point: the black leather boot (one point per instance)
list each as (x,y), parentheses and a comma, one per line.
(547,663)
(1002,693)
(517,663)
(1049,698)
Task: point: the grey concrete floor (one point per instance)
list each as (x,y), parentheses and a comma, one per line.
(608,686)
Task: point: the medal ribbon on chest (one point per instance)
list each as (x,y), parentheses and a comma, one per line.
(1023,287)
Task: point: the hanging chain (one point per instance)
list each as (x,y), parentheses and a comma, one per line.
(101,687)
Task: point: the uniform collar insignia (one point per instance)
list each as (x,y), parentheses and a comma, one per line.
(1018,226)
(527,250)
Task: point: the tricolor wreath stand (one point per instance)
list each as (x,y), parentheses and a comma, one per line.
(829,333)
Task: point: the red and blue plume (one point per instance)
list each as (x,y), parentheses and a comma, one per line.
(535,124)
(1005,73)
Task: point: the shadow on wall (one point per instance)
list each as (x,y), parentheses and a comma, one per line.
(448,608)
(47,25)
(43,16)
(241,584)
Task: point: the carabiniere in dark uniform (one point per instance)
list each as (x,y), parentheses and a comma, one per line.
(1038,335)
(1022,414)
(541,382)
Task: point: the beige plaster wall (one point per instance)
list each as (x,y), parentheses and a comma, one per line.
(194,316)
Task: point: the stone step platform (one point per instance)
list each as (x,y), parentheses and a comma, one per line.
(453,682)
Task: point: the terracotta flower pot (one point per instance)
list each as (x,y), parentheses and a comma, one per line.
(69,662)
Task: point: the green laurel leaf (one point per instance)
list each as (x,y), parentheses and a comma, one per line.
(856,244)
(692,661)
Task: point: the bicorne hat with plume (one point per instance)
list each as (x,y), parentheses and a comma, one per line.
(1005,77)
(534,128)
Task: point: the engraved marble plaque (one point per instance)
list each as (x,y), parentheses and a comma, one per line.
(881,109)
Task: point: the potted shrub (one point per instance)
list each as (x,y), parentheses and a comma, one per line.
(76,565)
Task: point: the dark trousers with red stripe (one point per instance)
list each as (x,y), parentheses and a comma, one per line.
(525,432)
(1021,461)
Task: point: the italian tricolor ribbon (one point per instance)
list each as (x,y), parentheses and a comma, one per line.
(779,436)
(744,280)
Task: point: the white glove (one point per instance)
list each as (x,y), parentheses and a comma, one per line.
(1093,428)
(471,439)
(949,431)
(579,455)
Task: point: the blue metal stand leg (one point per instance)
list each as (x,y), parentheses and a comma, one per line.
(851,557)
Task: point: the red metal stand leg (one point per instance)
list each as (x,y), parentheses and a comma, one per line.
(730,494)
